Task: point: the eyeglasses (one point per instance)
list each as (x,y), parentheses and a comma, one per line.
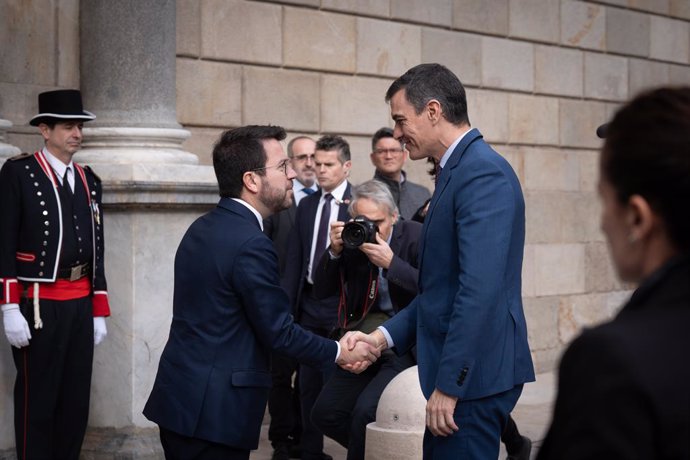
(282,165)
(304,157)
(385,151)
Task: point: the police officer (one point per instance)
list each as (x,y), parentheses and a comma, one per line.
(53,290)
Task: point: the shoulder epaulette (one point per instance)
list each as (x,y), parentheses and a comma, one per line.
(88,168)
(21,156)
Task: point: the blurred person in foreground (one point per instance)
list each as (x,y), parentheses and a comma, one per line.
(229,311)
(623,389)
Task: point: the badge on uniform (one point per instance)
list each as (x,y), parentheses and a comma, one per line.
(96,211)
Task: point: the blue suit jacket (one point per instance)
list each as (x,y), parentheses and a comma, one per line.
(468,320)
(229,312)
(298,255)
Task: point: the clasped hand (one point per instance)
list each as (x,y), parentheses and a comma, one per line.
(358,351)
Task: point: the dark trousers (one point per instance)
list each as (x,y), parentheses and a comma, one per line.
(179,447)
(348,401)
(481,422)
(283,402)
(53,385)
(311,380)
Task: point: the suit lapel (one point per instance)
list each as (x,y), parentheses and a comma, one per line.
(443,179)
(343,215)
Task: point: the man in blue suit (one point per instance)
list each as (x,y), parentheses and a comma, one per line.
(229,311)
(467,321)
(309,239)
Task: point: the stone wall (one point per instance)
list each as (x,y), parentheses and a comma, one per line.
(541,75)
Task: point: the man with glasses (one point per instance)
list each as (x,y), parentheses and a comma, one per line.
(229,310)
(283,401)
(308,241)
(388,157)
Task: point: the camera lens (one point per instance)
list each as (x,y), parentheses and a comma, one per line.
(354,235)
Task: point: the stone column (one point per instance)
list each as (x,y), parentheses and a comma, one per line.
(128,81)
(153,190)
(6,150)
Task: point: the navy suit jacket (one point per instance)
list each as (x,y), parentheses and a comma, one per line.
(299,252)
(468,320)
(229,312)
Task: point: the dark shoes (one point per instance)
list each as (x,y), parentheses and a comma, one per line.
(281,451)
(523,452)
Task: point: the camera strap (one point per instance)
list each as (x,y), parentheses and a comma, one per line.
(351,313)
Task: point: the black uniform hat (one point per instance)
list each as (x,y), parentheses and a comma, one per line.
(60,105)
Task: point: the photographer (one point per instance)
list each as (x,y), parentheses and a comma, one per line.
(372,263)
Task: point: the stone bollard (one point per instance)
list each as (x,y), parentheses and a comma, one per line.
(398,431)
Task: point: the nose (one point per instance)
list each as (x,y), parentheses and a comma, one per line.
(310,160)
(291,174)
(397,132)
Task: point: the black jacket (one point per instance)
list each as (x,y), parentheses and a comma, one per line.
(624,388)
(31,226)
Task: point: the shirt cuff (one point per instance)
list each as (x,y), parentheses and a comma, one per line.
(337,354)
(389,339)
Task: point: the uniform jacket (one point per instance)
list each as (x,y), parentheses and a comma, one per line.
(408,196)
(299,250)
(623,388)
(31,228)
(229,313)
(351,271)
(468,320)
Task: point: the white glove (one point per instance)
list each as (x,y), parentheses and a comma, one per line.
(16,328)
(99,329)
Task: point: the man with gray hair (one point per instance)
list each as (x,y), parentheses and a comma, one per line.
(386,265)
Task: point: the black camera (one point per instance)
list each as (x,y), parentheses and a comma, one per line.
(358,231)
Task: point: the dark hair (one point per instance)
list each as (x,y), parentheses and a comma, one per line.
(331,142)
(240,150)
(381,134)
(647,153)
(292,142)
(425,82)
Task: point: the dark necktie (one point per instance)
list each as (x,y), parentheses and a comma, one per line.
(308,191)
(322,235)
(65,182)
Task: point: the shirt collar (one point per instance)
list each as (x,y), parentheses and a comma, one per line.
(254,211)
(337,193)
(449,152)
(58,166)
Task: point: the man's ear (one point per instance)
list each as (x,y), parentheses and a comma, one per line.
(641,219)
(45,130)
(433,110)
(250,182)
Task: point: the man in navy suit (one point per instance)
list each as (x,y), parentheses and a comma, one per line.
(229,311)
(467,321)
(309,240)
(285,428)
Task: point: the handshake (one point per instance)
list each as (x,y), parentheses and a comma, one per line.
(359,350)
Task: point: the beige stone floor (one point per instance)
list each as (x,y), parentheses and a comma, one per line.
(532,415)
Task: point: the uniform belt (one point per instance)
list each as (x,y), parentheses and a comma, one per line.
(73,273)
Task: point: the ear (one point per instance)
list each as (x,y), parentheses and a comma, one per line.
(45,130)
(433,110)
(371,157)
(396,216)
(250,181)
(641,218)
(347,165)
